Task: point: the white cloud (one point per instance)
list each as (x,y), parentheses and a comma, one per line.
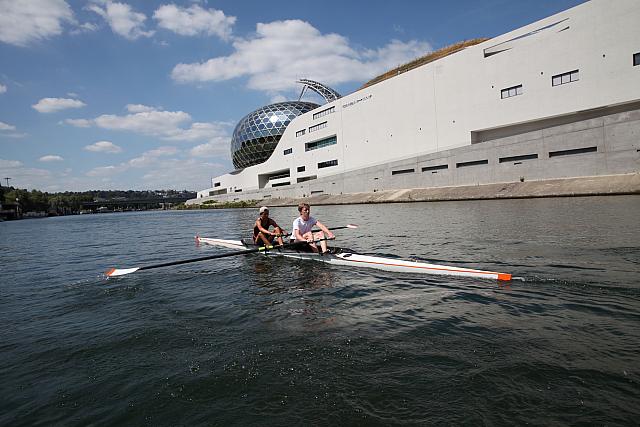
(25,22)
(79,123)
(283,51)
(104,171)
(198,132)
(9,164)
(122,19)
(151,157)
(3,88)
(87,27)
(214,148)
(168,125)
(148,122)
(52,105)
(5,126)
(50,158)
(15,135)
(103,147)
(139,108)
(194,20)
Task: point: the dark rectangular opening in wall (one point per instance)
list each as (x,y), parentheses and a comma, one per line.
(280,184)
(301,168)
(636,59)
(564,78)
(317,191)
(472,163)
(278,176)
(434,168)
(518,158)
(309,146)
(402,171)
(328,164)
(307,178)
(573,151)
(215,193)
(266,196)
(216,184)
(239,190)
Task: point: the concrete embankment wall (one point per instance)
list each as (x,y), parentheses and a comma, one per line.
(586,153)
(584,186)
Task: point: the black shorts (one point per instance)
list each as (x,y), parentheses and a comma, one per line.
(302,247)
(257,241)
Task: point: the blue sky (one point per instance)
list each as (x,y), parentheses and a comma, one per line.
(99,94)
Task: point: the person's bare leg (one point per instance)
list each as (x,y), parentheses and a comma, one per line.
(278,231)
(264,239)
(323,243)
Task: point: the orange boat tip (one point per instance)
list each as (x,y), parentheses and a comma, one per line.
(110,271)
(504,276)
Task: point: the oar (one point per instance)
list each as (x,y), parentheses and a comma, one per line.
(353,226)
(122,271)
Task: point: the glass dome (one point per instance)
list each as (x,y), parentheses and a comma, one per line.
(257,134)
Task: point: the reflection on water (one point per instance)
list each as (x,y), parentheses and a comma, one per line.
(272,341)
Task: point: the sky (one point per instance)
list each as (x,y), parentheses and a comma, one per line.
(144,95)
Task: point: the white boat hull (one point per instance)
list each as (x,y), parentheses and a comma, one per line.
(344,258)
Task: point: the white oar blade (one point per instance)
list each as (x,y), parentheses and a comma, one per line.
(352,226)
(121,271)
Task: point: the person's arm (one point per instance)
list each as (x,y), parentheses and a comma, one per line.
(261,228)
(325,229)
(275,226)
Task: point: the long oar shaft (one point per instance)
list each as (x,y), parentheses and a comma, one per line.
(122,271)
(342,227)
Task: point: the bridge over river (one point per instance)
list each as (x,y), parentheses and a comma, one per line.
(137,204)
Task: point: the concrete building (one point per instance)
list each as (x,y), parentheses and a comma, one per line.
(557,98)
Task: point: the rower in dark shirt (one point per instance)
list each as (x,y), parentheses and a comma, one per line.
(261,233)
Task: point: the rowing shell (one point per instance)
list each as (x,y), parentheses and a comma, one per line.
(346,257)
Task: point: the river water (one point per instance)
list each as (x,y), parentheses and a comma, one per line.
(255,341)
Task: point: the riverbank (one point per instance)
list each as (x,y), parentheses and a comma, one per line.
(568,187)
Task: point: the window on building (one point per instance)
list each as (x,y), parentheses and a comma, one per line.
(518,158)
(636,59)
(327,164)
(280,184)
(564,78)
(301,168)
(573,151)
(317,127)
(280,175)
(472,163)
(301,132)
(320,143)
(402,171)
(288,151)
(511,91)
(434,168)
(324,112)
(216,184)
(307,178)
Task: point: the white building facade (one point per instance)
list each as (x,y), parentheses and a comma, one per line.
(556,98)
